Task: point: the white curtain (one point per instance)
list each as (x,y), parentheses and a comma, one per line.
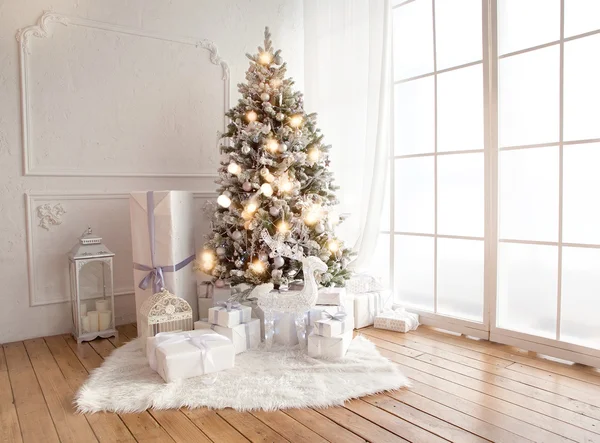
(348,82)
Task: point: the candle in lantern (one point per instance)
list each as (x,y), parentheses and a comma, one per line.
(104,320)
(93,320)
(102,305)
(83,309)
(85,323)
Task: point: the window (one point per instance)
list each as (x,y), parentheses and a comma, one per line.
(494,217)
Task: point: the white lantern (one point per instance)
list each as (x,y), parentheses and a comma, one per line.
(92,294)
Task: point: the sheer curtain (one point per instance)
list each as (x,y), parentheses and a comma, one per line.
(348,82)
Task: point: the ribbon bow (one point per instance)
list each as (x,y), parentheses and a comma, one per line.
(229,306)
(339,316)
(156,273)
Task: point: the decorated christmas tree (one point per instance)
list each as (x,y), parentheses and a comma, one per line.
(274,185)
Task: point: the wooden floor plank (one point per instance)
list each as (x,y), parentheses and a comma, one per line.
(108,427)
(476,392)
(556,379)
(288,427)
(145,428)
(428,422)
(457,415)
(366,429)
(251,427)
(58,394)
(323,426)
(178,426)
(213,425)
(10,431)
(32,411)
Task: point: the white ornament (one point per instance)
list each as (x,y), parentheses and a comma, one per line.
(319,228)
(274,211)
(247,186)
(270,178)
(278,262)
(236,235)
(280,117)
(266,189)
(246,149)
(220,251)
(264,171)
(224,201)
(265,97)
(282,147)
(263,257)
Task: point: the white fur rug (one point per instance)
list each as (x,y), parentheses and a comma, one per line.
(269,380)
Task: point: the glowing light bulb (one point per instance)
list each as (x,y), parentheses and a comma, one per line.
(270,178)
(286,186)
(283,227)
(276,82)
(251,116)
(265,58)
(257,266)
(313,215)
(234,168)
(266,189)
(207,260)
(272,145)
(224,201)
(295,121)
(251,207)
(314,154)
(333,245)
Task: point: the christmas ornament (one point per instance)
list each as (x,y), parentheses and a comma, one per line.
(265,97)
(282,147)
(278,262)
(266,189)
(246,149)
(219,283)
(319,228)
(263,257)
(247,186)
(280,117)
(236,235)
(264,171)
(220,251)
(234,168)
(224,201)
(274,211)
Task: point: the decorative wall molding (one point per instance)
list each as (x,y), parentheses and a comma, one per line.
(43,29)
(33,200)
(50,215)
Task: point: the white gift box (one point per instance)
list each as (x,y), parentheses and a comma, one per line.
(205,297)
(174,245)
(180,355)
(368,305)
(361,283)
(329,347)
(331,296)
(397,320)
(316,312)
(331,327)
(257,313)
(244,336)
(229,314)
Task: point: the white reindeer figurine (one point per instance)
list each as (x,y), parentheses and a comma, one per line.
(292,302)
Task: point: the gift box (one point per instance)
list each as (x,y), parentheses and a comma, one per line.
(316,312)
(206,291)
(180,355)
(397,320)
(334,324)
(163,246)
(244,336)
(329,347)
(229,314)
(361,283)
(331,296)
(257,313)
(368,305)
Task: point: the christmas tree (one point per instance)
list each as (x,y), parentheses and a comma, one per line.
(274,185)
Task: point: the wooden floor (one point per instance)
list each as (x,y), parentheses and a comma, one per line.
(463,390)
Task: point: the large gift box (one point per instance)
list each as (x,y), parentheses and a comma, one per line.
(179,355)
(229,314)
(397,320)
(334,324)
(244,336)
(331,296)
(368,305)
(316,312)
(162,235)
(329,347)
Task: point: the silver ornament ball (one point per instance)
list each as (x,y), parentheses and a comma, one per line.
(220,251)
(279,117)
(282,147)
(274,211)
(265,97)
(246,149)
(247,186)
(236,235)
(278,262)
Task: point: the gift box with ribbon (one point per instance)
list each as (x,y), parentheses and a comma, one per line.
(229,314)
(317,312)
(368,305)
(244,336)
(397,320)
(329,347)
(206,293)
(163,246)
(180,355)
(335,324)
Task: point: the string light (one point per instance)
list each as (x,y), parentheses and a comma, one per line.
(333,245)
(224,201)
(265,58)
(285,184)
(266,189)
(313,215)
(283,227)
(257,266)
(207,260)
(270,178)
(251,116)
(295,120)
(272,145)
(234,168)
(314,154)
(251,207)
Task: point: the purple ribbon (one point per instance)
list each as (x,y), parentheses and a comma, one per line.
(156,273)
(229,306)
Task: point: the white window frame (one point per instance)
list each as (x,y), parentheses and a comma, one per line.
(488,329)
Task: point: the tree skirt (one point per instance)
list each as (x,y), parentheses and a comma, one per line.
(276,379)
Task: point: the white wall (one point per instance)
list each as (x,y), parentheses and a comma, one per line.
(89,114)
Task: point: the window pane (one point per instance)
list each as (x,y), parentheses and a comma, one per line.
(527,23)
(414,117)
(580,301)
(414,195)
(581,16)
(529,194)
(460,278)
(384,222)
(458,32)
(581,183)
(582,88)
(528,95)
(460,109)
(379,265)
(460,194)
(413,271)
(413,39)
(527,288)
